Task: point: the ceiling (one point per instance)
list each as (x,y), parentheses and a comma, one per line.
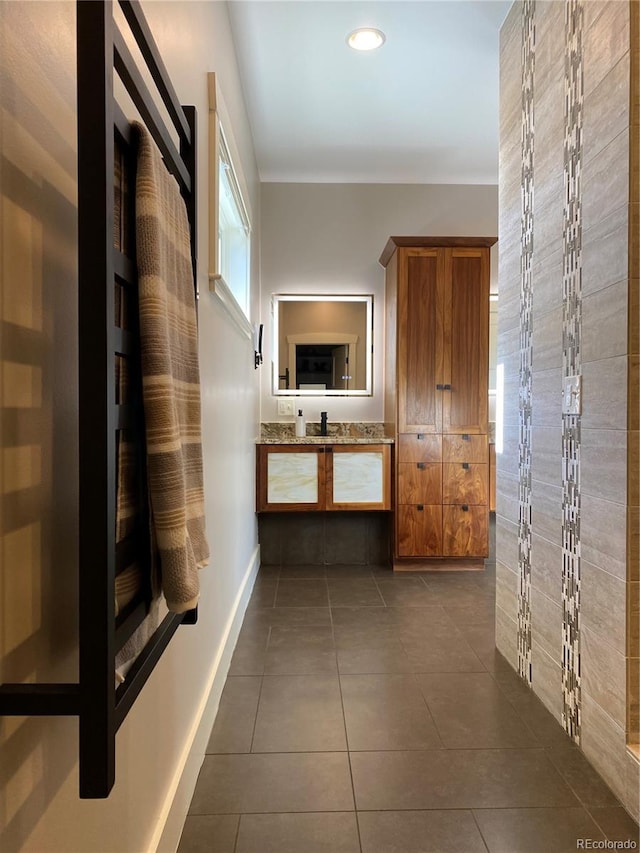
(423,108)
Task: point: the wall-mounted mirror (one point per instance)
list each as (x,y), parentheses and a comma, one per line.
(322,345)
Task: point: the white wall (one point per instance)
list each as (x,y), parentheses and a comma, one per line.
(327,238)
(39,806)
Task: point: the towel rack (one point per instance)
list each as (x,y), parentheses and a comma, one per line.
(102,129)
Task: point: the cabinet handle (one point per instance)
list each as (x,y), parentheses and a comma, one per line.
(420,507)
(440,387)
(446,387)
(466,437)
(420,436)
(465,508)
(329,449)
(420,465)
(465,465)
(321,450)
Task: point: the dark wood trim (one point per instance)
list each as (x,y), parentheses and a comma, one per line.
(394,243)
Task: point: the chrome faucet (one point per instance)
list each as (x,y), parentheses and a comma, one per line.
(323,423)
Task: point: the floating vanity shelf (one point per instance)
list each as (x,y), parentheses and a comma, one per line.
(323,473)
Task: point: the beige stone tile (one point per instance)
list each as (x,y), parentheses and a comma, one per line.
(546,623)
(546,460)
(548,216)
(507,543)
(605,181)
(546,511)
(508,340)
(606,109)
(604,394)
(511,398)
(507,462)
(549,120)
(603,463)
(603,534)
(546,679)
(547,335)
(604,323)
(602,605)
(604,744)
(547,281)
(546,567)
(507,584)
(546,391)
(603,674)
(549,22)
(507,637)
(604,250)
(507,498)
(605,40)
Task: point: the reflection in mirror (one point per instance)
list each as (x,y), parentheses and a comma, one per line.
(322,345)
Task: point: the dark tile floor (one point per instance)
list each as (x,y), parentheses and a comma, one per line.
(366,712)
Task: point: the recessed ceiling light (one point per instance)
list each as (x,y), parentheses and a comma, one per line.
(365,38)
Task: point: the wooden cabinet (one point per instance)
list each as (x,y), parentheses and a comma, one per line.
(436,400)
(314,477)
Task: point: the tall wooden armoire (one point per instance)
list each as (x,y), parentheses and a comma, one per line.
(436,398)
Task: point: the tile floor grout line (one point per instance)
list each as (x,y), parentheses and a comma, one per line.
(475,820)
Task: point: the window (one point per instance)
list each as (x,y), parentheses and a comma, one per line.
(233,229)
(229,223)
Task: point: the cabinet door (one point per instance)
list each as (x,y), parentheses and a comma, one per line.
(290,478)
(466,341)
(419,530)
(419,483)
(465,483)
(420,340)
(358,477)
(465,531)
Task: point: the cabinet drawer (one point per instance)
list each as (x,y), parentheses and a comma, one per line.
(419,447)
(465,532)
(419,530)
(465,448)
(465,485)
(419,483)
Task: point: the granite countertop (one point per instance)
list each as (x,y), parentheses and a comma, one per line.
(348,432)
(326,439)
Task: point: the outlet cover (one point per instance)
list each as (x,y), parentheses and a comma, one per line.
(285,407)
(572,396)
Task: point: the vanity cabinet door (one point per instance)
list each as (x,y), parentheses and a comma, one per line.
(358,477)
(291,477)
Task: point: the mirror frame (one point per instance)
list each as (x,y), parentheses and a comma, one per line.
(276,299)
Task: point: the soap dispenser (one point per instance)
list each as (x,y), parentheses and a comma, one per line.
(301,426)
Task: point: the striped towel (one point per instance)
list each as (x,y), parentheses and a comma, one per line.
(170,378)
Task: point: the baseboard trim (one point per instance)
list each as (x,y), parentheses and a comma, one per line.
(166,836)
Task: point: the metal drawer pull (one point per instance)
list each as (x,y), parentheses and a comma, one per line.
(321,450)
(446,387)
(465,508)
(329,449)
(465,465)
(420,436)
(420,507)
(466,437)
(421,465)
(440,387)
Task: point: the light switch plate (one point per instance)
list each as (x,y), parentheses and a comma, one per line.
(285,407)
(572,396)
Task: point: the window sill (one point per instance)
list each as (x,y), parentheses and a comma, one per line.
(234,312)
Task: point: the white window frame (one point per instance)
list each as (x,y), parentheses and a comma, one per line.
(219,146)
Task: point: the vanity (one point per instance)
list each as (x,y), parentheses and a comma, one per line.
(324,473)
